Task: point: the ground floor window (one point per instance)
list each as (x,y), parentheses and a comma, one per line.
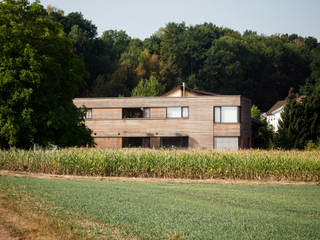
(176,142)
(165,142)
(135,142)
(226,143)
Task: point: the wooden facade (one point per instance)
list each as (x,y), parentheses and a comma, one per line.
(109,127)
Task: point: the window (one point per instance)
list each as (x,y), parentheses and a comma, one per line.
(136,113)
(226,143)
(88,113)
(226,114)
(176,142)
(177,112)
(136,142)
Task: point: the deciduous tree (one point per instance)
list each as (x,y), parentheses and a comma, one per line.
(39,76)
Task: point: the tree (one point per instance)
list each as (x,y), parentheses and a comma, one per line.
(148,88)
(261,130)
(39,76)
(148,65)
(171,57)
(255,112)
(117,41)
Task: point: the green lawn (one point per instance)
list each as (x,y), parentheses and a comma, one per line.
(166,210)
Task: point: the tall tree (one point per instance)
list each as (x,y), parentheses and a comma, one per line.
(39,76)
(300,121)
(171,57)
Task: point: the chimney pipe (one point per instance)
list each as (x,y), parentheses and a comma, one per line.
(183,89)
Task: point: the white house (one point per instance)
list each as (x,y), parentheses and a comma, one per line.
(273,115)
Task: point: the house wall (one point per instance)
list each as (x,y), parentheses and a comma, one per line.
(245,126)
(107,113)
(109,127)
(108,142)
(274,118)
(158,113)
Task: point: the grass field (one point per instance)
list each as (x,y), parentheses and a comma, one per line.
(250,164)
(124,210)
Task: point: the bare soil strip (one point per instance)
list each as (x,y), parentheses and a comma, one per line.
(157,180)
(18,224)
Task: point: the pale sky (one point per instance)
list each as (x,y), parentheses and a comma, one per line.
(142,18)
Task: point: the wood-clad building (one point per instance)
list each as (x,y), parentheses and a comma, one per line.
(197,120)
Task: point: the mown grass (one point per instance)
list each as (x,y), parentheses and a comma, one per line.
(172,211)
(251,164)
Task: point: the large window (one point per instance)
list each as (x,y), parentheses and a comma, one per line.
(136,112)
(177,112)
(226,114)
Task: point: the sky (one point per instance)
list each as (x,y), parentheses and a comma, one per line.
(142,18)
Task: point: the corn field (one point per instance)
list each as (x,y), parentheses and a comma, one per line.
(195,164)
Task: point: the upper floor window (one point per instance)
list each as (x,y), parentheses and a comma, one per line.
(88,113)
(177,112)
(136,112)
(227,114)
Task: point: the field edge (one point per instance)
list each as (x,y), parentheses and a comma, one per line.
(157,180)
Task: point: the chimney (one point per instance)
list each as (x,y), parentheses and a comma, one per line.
(183,89)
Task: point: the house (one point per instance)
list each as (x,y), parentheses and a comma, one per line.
(273,115)
(183,118)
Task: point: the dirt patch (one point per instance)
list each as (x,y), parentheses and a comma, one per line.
(156,180)
(5,235)
(18,224)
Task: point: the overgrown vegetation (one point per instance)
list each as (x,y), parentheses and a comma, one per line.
(122,210)
(251,164)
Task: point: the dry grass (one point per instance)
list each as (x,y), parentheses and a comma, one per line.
(22,224)
(156,180)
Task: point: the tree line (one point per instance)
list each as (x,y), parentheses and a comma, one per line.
(47,58)
(204,56)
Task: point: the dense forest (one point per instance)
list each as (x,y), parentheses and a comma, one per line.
(204,56)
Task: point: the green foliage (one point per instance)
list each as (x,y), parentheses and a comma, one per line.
(300,122)
(117,41)
(313,145)
(204,56)
(148,88)
(253,164)
(255,112)
(171,58)
(39,76)
(261,131)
